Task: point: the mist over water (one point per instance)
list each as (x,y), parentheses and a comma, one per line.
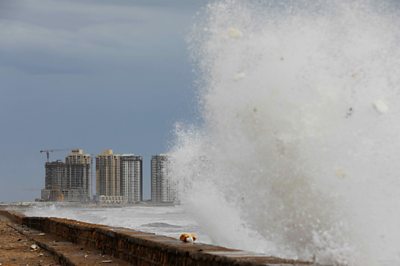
(298,153)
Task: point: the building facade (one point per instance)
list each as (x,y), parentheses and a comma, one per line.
(119,178)
(69,180)
(54,174)
(77,181)
(131,178)
(108,180)
(162,188)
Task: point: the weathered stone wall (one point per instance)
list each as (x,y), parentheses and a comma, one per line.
(141,248)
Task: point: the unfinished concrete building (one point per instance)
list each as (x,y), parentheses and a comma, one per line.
(54,173)
(77,181)
(69,180)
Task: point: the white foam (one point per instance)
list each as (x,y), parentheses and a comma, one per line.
(292,160)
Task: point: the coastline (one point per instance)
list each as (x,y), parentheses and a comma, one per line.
(138,248)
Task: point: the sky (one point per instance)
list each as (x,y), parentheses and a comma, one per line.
(92,74)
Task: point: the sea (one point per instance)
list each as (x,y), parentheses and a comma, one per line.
(162,220)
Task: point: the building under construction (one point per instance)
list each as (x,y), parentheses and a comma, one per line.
(54,174)
(76,186)
(69,180)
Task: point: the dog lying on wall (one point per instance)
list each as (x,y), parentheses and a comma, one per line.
(188,237)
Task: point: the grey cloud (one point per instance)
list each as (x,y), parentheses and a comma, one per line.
(7,7)
(102,32)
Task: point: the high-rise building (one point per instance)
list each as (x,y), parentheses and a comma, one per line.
(69,180)
(131,177)
(119,178)
(54,174)
(162,188)
(108,177)
(77,181)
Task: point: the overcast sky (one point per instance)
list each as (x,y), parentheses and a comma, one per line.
(93,74)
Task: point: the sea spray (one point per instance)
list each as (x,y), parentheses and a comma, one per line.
(298,152)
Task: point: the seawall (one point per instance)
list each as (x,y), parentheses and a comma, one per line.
(140,248)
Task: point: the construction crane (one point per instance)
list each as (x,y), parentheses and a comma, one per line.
(51,150)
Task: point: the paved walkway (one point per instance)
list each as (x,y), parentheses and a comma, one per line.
(15,249)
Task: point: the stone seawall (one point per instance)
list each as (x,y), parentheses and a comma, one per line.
(140,248)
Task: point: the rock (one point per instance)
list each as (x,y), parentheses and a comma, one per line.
(34,247)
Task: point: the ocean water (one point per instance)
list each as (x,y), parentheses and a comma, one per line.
(297,151)
(169,221)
